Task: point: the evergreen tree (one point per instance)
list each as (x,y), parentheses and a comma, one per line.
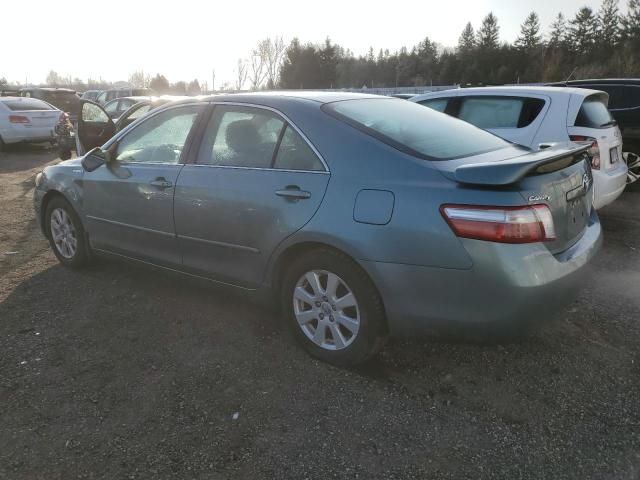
(609,23)
(467,40)
(530,37)
(558,34)
(630,22)
(583,31)
(489,33)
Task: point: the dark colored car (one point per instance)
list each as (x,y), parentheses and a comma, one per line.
(63,98)
(624,105)
(108,95)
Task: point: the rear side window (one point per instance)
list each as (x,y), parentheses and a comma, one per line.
(413,129)
(295,154)
(26,104)
(437,104)
(241,137)
(593,113)
(500,112)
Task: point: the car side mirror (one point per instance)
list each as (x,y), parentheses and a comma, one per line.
(94,159)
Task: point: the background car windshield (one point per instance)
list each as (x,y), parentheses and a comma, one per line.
(26,104)
(416,130)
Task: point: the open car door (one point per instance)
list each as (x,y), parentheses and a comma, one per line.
(94,126)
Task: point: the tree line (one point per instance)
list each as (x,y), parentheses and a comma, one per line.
(593,44)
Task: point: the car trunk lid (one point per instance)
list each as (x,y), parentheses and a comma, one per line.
(559,177)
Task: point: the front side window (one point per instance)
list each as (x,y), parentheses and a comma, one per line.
(437,104)
(111,107)
(93,114)
(160,139)
(413,129)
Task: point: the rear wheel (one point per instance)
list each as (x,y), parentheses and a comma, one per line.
(333,308)
(66,234)
(633,164)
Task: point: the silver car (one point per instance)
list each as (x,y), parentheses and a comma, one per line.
(364,216)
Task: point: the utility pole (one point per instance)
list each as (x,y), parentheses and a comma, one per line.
(213,80)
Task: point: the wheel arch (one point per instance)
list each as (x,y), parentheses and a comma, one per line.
(292,251)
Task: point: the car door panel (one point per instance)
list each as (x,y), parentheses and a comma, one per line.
(95,126)
(142,227)
(244,192)
(129,200)
(229,220)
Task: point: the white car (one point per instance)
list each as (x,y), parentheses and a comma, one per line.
(537,116)
(24,119)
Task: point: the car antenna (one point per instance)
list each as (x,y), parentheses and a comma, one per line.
(570,75)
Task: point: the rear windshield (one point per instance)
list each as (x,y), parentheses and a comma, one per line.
(26,104)
(593,113)
(53,96)
(416,130)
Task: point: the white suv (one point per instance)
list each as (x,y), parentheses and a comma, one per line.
(536,116)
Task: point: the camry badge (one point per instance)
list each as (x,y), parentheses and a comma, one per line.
(539,198)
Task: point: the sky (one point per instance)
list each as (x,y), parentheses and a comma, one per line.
(110,40)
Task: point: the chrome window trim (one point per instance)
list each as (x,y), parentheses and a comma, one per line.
(199,165)
(288,122)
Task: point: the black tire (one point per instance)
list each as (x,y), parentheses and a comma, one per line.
(81,255)
(2,145)
(372,331)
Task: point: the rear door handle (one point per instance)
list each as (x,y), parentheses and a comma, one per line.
(161,183)
(293,193)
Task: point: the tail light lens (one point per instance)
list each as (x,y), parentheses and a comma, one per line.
(594,151)
(525,224)
(19,119)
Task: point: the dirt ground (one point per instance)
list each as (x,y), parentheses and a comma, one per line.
(125,373)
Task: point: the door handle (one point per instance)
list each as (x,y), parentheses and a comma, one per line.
(161,183)
(293,193)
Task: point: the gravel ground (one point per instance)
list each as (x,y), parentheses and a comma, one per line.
(121,372)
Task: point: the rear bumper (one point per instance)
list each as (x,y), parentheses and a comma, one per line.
(27,134)
(609,184)
(508,286)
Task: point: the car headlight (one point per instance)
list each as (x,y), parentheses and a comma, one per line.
(39,179)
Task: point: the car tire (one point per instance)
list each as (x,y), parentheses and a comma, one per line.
(331,325)
(2,145)
(65,154)
(66,234)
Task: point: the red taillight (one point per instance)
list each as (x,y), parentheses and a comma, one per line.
(525,224)
(594,151)
(19,119)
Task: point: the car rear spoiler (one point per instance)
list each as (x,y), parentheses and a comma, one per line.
(509,171)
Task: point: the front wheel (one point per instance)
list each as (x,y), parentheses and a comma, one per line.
(333,308)
(66,234)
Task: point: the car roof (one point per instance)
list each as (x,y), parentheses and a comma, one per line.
(138,98)
(512,90)
(292,95)
(601,81)
(48,89)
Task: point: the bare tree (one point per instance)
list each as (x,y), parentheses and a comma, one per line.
(274,53)
(258,66)
(139,79)
(241,73)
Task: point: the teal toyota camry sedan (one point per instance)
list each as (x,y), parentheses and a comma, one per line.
(363,216)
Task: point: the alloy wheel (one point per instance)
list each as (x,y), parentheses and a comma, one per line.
(63,233)
(326,310)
